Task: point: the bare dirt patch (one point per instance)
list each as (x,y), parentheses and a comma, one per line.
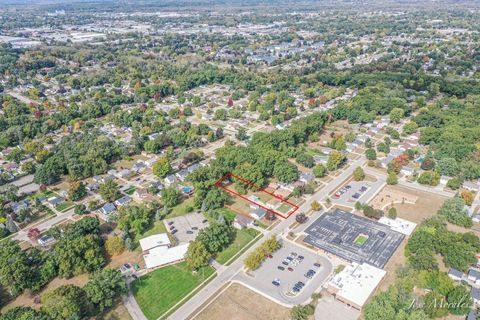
(417,206)
(240,303)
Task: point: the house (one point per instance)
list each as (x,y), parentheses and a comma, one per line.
(123,173)
(170,179)
(92,187)
(408,171)
(97,179)
(282,193)
(140,193)
(474,275)
(475,294)
(476,218)
(241,222)
(107,209)
(46,240)
(471,186)
(306,177)
(384,163)
(253,199)
(258,213)
(157,184)
(139,166)
(123,201)
(19,206)
(182,174)
(55,201)
(455,274)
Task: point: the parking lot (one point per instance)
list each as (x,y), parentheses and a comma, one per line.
(185,228)
(287,279)
(356,191)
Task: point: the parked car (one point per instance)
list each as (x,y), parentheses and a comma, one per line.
(293,254)
(300,258)
(276,282)
(289,258)
(194,228)
(189,232)
(290,269)
(280,268)
(173,231)
(285,263)
(204,221)
(316,264)
(356,195)
(269,256)
(170,223)
(363,188)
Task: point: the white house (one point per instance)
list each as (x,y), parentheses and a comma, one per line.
(455,274)
(158,251)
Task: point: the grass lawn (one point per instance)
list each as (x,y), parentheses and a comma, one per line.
(130,191)
(182,208)
(64,206)
(243,237)
(161,289)
(361,239)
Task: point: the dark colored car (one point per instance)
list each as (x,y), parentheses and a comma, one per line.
(363,188)
(280,268)
(289,258)
(285,263)
(275,283)
(173,231)
(300,258)
(170,223)
(204,221)
(356,195)
(194,228)
(189,232)
(293,254)
(316,264)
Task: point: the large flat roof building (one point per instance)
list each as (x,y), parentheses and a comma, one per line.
(354,238)
(354,284)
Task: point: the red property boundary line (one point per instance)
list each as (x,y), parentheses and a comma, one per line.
(217,183)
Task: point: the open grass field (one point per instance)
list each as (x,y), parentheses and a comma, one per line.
(240,303)
(182,208)
(161,289)
(242,238)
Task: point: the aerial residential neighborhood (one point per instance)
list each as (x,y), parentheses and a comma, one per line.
(239,159)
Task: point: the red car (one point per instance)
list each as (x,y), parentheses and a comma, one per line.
(290,269)
(270,256)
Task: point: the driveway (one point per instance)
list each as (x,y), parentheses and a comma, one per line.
(261,279)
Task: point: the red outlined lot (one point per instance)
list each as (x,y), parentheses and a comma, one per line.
(218,183)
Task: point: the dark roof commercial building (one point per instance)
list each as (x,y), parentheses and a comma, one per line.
(354,238)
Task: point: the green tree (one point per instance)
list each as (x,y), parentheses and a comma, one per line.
(430,178)
(66,303)
(170,196)
(392,178)
(459,301)
(319,171)
(77,191)
(15,272)
(79,255)
(392,213)
(109,190)
(396,115)
(285,171)
(335,160)
(197,255)
(216,237)
(300,312)
(162,167)
(453,210)
(358,174)
(371,154)
(104,287)
(23,313)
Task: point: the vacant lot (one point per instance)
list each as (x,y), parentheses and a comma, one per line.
(240,303)
(417,206)
(161,289)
